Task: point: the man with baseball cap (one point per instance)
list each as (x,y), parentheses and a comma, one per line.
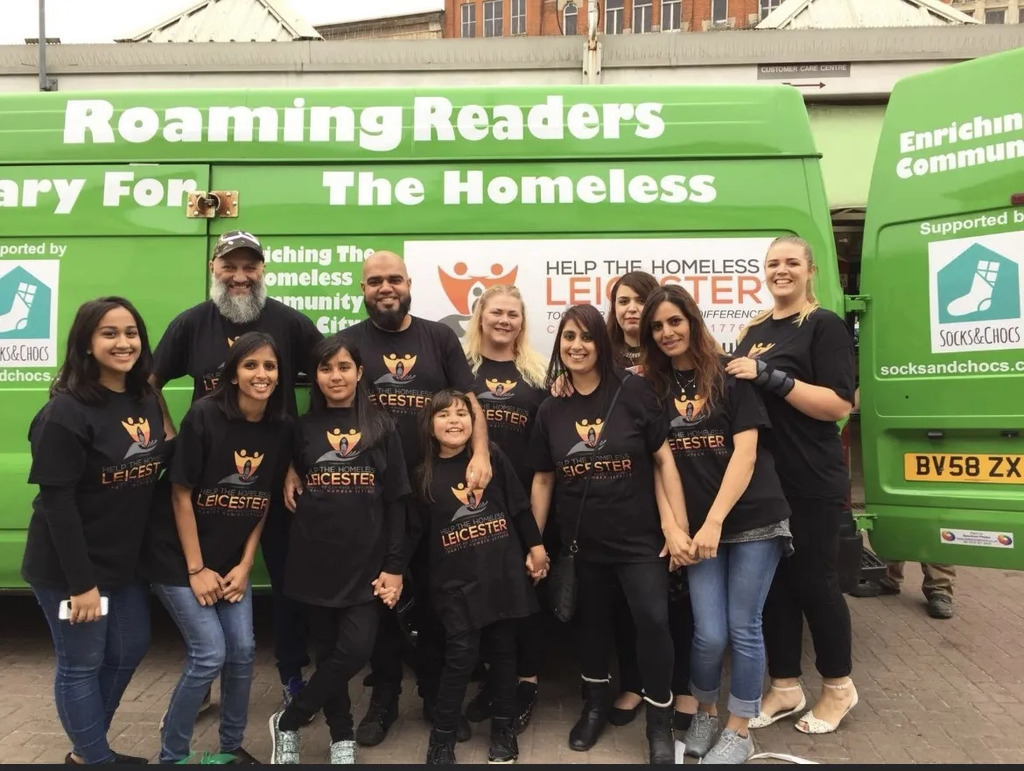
(195,345)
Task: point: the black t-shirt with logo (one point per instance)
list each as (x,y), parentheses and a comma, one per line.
(404,369)
(621,521)
(96,466)
(197,342)
(701,438)
(808,452)
(349,523)
(510,404)
(476,544)
(233,467)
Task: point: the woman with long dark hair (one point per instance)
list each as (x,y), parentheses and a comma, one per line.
(97,450)
(800,356)
(351,517)
(735,508)
(607,438)
(231,454)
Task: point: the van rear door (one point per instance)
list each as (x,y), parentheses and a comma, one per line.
(942,341)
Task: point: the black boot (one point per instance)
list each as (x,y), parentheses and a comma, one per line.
(382,712)
(659,735)
(504,745)
(441,750)
(597,699)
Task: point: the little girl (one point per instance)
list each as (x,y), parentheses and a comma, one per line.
(478,585)
(346,541)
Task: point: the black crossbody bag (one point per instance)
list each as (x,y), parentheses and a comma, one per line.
(562,577)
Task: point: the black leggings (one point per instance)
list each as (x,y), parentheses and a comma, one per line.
(291,624)
(680,622)
(806,584)
(342,641)
(462,649)
(645,586)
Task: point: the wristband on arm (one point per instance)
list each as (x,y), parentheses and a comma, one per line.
(774,380)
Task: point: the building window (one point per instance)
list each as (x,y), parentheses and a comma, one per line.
(719,11)
(643,14)
(518,20)
(1020,16)
(671,11)
(613,12)
(492,18)
(468,20)
(996,16)
(767,6)
(570,14)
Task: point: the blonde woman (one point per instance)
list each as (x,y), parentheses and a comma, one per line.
(509,384)
(801,358)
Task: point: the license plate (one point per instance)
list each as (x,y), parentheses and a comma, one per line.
(941,467)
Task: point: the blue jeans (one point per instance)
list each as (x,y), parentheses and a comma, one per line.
(728,595)
(95,663)
(218,641)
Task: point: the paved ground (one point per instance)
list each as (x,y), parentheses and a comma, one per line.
(930,691)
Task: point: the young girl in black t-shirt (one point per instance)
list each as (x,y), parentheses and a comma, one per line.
(735,508)
(800,356)
(509,386)
(478,583)
(626,528)
(345,548)
(97,449)
(229,461)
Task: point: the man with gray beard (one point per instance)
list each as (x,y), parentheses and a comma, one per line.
(195,345)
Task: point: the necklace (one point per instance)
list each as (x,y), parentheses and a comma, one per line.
(684,387)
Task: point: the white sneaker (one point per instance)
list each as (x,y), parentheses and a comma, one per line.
(343,753)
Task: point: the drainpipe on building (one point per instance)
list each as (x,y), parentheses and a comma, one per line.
(46,83)
(592,64)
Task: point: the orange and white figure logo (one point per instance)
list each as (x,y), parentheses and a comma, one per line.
(246,464)
(472,500)
(399,369)
(463,288)
(691,411)
(497,390)
(759,348)
(589,431)
(142,438)
(343,446)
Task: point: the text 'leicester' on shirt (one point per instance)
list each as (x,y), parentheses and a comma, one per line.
(620,522)
(349,522)
(510,406)
(96,466)
(808,452)
(403,370)
(233,467)
(477,562)
(701,437)
(197,342)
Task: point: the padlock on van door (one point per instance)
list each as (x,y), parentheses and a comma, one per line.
(216,203)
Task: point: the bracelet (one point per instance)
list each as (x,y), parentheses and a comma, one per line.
(774,380)
(197,571)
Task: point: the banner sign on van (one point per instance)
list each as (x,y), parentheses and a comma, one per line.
(976,293)
(28,310)
(723,275)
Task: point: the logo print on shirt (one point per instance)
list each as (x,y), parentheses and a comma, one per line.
(758,348)
(138,429)
(463,289)
(247,464)
(344,446)
(472,500)
(691,411)
(498,390)
(399,369)
(590,433)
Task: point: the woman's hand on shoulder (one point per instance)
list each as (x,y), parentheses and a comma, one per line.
(562,387)
(742,368)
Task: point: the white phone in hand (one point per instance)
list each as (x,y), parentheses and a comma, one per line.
(64,611)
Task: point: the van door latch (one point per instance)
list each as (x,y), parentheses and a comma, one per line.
(856,303)
(216,203)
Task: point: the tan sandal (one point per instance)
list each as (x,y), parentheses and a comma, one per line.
(764,720)
(815,725)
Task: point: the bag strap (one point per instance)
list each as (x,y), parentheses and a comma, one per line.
(574,546)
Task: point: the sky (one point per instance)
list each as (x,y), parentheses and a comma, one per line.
(101,21)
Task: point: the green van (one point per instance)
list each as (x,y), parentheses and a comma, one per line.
(942,330)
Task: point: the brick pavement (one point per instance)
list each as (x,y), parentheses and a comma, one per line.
(930,691)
